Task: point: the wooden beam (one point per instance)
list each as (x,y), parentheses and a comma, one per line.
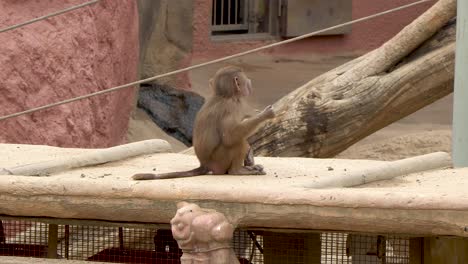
(359,210)
(416,250)
(443,250)
(281,248)
(52,241)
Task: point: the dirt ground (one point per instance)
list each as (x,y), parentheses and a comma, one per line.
(425,131)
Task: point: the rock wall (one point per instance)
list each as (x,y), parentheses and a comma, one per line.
(76,53)
(165,45)
(166,38)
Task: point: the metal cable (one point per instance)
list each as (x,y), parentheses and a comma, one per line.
(47,16)
(209,62)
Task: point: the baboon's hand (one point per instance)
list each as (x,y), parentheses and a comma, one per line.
(268,112)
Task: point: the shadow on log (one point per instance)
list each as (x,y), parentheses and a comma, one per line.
(339,108)
(173,110)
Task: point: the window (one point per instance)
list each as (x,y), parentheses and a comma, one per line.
(285,18)
(239,16)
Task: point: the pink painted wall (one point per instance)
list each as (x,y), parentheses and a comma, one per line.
(365,36)
(73,54)
(203,47)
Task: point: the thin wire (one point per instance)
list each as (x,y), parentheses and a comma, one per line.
(48,16)
(209,62)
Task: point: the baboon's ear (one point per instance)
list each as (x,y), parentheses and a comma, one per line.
(211,83)
(236,82)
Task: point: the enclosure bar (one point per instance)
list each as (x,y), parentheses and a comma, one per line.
(460,91)
(67,241)
(204,64)
(121,238)
(52,241)
(222,12)
(214,13)
(245,7)
(236,12)
(229,12)
(249,11)
(86,222)
(37,19)
(2,233)
(416,250)
(280,8)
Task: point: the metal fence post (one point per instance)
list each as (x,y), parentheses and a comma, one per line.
(460,97)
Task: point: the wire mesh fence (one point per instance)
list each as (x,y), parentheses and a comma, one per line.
(143,244)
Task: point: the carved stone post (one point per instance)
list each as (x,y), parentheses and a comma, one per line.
(204,235)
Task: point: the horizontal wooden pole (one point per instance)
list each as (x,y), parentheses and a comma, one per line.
(356,210)
(91,157)
(386,171)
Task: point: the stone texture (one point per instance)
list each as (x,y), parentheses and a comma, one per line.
(172,110)
(77,53)
(165,45)
(167,40)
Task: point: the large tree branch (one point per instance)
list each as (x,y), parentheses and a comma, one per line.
(405,42)
(340,107)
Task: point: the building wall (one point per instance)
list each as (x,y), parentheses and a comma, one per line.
(203,46)
(365,36)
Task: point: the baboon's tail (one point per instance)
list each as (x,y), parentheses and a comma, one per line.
(171,175)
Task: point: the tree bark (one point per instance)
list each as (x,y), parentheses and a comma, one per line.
(342,106)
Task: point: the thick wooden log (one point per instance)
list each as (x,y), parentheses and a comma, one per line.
(318,209)
(341,107)
(93,157)
(268,205)
(386,171)
(430,203)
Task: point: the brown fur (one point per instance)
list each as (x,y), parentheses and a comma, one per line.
(221,129)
